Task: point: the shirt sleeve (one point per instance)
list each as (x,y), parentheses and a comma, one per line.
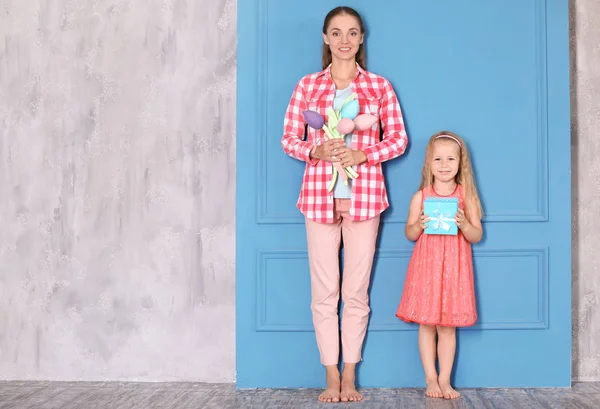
(293,142)
(394,139)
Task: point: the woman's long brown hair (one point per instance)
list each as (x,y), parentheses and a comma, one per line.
(361,57)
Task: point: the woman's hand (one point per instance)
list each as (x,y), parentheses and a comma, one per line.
(328,150)
(350,157)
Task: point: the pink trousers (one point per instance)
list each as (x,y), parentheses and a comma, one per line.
(359,240)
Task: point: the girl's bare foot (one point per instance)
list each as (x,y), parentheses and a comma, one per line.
(332,392)
(427,349)
(349,392)
(446,351)
(448,391)
(433,389)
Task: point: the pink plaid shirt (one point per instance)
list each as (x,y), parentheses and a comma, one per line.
(375,96)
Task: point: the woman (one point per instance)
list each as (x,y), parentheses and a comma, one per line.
(351,210)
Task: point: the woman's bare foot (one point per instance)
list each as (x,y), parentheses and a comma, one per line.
(433,389)
(332,392)
(349,392)
(448,391)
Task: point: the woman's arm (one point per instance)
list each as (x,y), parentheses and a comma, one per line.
(293,142)
(415,224)
(394,134)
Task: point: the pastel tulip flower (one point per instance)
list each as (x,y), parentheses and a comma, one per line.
(345,126)
(364,121)
(313,119)
(350,110)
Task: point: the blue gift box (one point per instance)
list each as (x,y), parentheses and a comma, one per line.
(441,212)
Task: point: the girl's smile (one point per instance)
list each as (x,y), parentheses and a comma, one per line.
(445,160)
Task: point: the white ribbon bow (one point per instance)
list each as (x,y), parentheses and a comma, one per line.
(438,220)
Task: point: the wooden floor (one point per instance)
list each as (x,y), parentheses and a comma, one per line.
(70,395)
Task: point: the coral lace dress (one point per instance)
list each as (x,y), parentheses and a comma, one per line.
(439,286)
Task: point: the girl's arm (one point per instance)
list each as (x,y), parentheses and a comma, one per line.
(293,142)
(415,224)
(471,228)
(394,134)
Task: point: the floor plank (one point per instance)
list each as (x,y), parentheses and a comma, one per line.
(120,395)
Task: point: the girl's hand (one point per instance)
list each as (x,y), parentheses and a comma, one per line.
(461,219)
(422,220)
(328,150)
(350,157)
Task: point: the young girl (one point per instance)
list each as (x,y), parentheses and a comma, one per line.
(439,290)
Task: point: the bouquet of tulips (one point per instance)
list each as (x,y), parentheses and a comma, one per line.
(339,123)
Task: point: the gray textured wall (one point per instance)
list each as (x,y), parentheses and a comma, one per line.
(117,240)
(585,116)
(117,183)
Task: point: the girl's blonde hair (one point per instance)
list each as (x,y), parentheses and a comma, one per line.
(464,177)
